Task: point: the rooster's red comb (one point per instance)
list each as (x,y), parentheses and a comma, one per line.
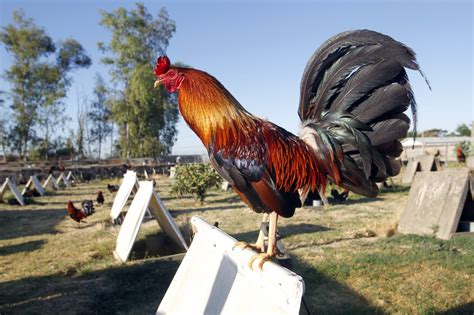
(162,65)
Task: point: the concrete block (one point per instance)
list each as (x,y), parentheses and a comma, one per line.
(435,203)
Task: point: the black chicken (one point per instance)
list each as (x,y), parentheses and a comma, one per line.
(100,198)
(339,197)
(31,193)
(112,188)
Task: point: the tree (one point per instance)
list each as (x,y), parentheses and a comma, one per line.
(146,117)
(39,78)
(149,134)
(137,39)
(70,145)
(463,130)
(99,115)
(80,135)
(3,129)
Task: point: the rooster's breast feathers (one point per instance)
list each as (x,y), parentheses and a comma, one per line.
(265,164)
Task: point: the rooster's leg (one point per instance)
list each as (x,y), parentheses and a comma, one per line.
(272,238)
(259,245)
(271,246)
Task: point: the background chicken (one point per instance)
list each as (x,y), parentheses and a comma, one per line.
(112,188)
(79,215)
(354,93)
(75,214)
(338,197)
(88,207)
(100,198)
(31,192)
(461,157)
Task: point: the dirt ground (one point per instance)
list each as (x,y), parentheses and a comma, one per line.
(349,254)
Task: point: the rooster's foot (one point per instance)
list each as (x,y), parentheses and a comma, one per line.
(261,259)
(243,245)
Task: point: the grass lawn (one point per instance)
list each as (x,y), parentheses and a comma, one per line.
(349,255)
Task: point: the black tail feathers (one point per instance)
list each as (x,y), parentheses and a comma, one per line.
(354,93)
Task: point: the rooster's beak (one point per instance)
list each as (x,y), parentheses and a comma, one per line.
(157,83)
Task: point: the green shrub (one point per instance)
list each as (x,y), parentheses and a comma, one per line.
(195,179)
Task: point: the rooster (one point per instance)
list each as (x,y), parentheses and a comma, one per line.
(100,198)
(76,214)
(460,155)
(79,215)
(354,92)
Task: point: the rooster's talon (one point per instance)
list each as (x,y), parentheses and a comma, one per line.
(262,258)
(244,245)
(241,245)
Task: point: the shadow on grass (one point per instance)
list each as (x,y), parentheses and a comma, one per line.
(290,229)
(23,247)
(358,201)
(324,295)
(301,228)
(204,209)
(129,289)
(174,197)
(72,192)
(155,245)
(467,309)
(21,223)
(76,203)
(47,203)
(228,199)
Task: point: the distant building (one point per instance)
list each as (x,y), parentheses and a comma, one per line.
(444,147)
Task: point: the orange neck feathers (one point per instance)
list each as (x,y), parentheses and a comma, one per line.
(210,110)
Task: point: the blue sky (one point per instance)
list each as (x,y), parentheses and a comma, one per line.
(258,49)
